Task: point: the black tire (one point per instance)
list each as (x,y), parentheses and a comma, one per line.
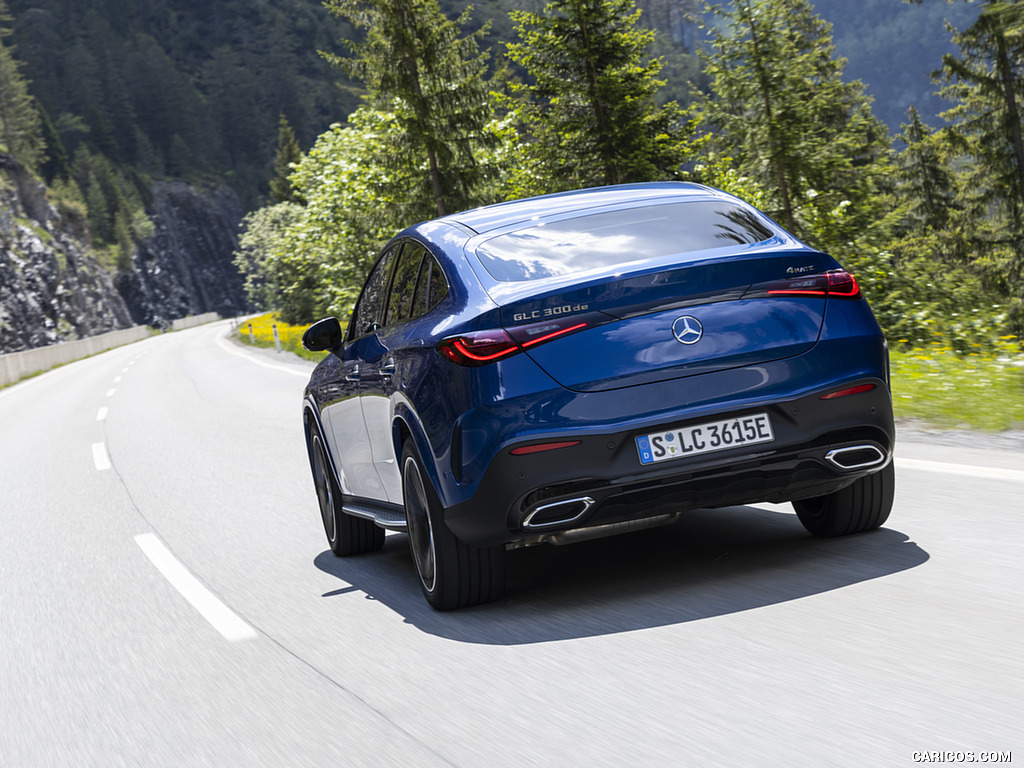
(862,506)
(346,534)
(452,574)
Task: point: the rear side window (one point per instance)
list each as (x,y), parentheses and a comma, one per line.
(431,286)
(397,292)
(367,315)
(403,284)
(619,237)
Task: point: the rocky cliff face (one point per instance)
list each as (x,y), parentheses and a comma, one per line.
(52,289)
(186,267)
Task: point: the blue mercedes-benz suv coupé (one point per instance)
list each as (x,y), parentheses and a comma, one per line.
(581,364)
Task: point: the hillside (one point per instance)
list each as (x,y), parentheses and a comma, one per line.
(194,89)
(186,89)
(893,48)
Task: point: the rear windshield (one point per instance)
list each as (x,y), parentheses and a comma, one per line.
(618,237)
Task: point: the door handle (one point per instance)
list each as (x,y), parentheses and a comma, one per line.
(388,369)
(352,375)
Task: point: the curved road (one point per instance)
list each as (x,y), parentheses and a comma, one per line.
(167,599)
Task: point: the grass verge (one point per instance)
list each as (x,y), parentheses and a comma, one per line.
(983,391)
(263,335)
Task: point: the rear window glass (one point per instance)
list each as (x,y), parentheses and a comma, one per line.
(618,237)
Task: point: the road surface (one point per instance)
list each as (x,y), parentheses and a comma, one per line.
(167,598)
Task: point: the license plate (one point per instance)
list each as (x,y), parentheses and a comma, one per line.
(705,438)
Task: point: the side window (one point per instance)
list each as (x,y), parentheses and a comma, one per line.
(430,288)
(403,284)
(367,315)
(438,285)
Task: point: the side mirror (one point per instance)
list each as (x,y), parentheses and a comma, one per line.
(323,335)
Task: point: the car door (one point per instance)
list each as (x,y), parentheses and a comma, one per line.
(378,377)
(418,284)
(359,362)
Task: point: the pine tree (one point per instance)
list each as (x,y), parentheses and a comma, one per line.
(986,83)
(20,126)
(589,110)
(288,153)
(925,177)
(781,110)
(418,64)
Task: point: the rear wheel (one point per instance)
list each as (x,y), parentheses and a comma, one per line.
(347,535)
(452,574)
(862,506)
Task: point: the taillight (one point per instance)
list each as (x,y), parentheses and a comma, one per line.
(837,283)
(842,284)
(478,348)
(483,347)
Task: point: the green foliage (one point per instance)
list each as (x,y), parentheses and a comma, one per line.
(986,132)
(264,257)
(114,203)
(20,124)
(892,48)
(310,260)
(977,390)
(288,153)
(925,177)
(192,88)
(422,68)
(780,109)
(588,112)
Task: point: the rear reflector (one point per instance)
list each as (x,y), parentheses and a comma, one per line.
(526,450)
(849,391)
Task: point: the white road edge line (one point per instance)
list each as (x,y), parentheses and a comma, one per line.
(964,470)
(100,457)
(228,347)
(221,618)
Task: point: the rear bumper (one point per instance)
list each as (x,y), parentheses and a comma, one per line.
(601,480)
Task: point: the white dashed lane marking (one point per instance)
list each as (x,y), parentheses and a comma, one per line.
(100,457)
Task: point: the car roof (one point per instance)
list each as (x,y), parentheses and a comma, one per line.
(501,215)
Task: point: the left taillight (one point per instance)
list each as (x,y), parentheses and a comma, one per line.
(477,348)
(485,347)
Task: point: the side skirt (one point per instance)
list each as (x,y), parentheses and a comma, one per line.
(388,516)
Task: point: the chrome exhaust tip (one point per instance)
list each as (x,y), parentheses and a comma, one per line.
(856,457)
(557,513)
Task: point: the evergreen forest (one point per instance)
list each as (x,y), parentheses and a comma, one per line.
(338,123)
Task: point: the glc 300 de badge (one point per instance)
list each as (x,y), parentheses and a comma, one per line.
(687,329)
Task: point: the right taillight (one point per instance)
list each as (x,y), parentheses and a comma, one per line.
(837,283)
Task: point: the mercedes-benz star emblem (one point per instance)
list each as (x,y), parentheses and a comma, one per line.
(687,329)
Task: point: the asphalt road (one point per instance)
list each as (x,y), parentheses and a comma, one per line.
(167,598)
